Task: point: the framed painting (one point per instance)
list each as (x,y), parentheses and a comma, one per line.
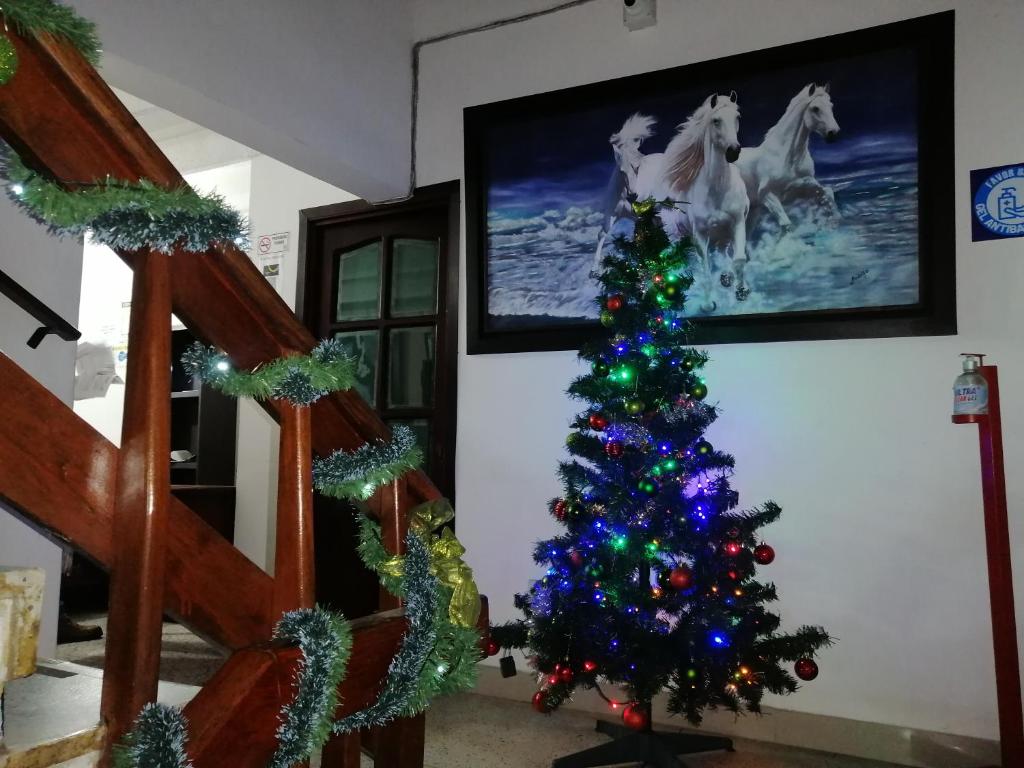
(815,181)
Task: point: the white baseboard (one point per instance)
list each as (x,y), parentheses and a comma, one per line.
(874,741)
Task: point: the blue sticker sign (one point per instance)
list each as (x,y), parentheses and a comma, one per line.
(997,202)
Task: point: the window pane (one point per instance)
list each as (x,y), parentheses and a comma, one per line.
(359,283)
(422,429)
(362,345)
(414,278)
(411,367)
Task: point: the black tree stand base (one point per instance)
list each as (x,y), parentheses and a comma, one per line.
(644,747)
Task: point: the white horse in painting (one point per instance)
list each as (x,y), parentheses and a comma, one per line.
(782,168)
(626,148)
(697,170)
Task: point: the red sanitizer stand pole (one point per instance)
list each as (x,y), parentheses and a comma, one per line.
(1000,572)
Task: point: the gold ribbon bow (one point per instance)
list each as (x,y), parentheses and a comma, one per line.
(446,562)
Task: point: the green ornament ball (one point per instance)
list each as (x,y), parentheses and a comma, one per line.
(688,364)
(633,407)
(600,368)
(698,391)
(670,291)
(703,447)
(607,318)
(8,59)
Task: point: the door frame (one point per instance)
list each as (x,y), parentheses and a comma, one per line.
(446,195)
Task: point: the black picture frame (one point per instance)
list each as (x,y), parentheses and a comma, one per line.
(930,37)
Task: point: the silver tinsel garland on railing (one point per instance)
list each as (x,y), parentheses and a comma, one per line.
(300,379)
(325,641)
(156,740)
(124,215)
(422,606)
(357,474)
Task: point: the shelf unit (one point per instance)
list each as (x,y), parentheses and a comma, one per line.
(204,422)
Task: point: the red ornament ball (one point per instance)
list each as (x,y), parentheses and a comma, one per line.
(576,558)
(681,578)
(764,554)
(732,548)
(636,716)
(560,509)
(806,669)
(540,702)
(589,666)
(565,674)
(614,302)
(597,422)
(613,449)
(492,647)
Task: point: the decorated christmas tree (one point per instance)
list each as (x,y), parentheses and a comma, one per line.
(653,585)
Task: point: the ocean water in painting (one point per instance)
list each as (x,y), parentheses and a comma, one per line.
(547,202)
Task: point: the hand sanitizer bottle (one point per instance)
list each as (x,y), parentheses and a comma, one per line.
(970,390)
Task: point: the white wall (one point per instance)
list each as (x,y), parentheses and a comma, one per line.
(107,286)
(882,538)
(323,85)
(51,269)
(277,195)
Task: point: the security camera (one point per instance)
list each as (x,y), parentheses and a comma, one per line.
(638,14)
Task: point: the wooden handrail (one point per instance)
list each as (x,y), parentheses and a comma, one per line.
(59,473)
(65,121)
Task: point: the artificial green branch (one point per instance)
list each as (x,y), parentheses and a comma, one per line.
(45,17)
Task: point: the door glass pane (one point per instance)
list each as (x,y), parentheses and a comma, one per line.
(413,277)
(362,345)
(359,283)
(411,367)
(421,427)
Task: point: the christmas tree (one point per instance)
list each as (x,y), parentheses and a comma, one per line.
(653,584)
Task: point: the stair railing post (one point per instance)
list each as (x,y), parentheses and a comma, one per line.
(142,492)
(294,574)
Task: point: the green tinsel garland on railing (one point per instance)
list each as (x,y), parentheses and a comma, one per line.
(358,474)
(123,215)
(451,664)
(300,379)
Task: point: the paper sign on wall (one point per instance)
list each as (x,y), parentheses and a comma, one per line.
(270,250)
(276,243)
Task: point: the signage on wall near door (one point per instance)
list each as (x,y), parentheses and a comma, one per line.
(270,250)
(997,202)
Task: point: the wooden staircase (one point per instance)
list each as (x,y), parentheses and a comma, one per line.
(114,505)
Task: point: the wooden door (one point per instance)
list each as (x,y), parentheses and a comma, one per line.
(384,280)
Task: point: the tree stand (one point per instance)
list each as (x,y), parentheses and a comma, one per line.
(645,747)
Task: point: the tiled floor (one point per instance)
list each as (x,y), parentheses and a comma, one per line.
(481,732)
(62,698)
(466,731)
